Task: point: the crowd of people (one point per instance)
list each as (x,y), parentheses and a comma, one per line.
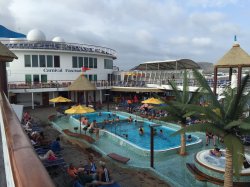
(90,174)
(50,153)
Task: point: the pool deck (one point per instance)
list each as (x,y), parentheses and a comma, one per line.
(171,168)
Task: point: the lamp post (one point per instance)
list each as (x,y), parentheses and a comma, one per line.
(107,98)
(152,143)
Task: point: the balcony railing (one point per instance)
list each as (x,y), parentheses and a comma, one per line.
(24,168)
(106,84)
(63,46)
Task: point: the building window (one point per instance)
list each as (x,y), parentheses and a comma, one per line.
(80,61)
(44,78)
(28,79)
(95,62)
(36,79)
(95,77)
(27,61)
(90,77)
(42,60)
(108,64)
(7,64)
(74,62)
(91,62)
(49,61)
(34,60)
(57,61)
(86,62)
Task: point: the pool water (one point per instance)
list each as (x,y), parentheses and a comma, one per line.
(130,131)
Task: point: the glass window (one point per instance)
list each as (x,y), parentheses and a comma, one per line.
(27,61)
(49,61)
(42,60)
(43,78)
(34,60)
(90,77)
(74,62)
(95,77)
(95,62)
(57,61)
(86,62)
(80,61)
(108,64)
(36,79)
(91,62)
(28,79)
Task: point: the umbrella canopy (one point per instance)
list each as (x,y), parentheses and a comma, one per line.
(60,99)
(82,84)
(79,109)
(152,101)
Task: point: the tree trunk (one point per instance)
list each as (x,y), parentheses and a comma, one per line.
(228,177)
(183,143)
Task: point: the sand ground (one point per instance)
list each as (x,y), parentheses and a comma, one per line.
(77,153)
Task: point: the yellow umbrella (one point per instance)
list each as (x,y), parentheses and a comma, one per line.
(79,109)
(152,101)
(60,99)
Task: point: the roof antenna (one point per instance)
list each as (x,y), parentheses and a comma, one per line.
(236,44)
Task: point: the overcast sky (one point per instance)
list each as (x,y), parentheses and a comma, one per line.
(139,30)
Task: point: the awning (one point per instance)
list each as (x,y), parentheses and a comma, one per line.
(135,89)
(167,65)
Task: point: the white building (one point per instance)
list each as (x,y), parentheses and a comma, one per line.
(44,69)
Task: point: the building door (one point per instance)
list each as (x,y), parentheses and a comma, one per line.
(45,96)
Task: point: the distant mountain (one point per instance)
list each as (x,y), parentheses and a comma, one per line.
(206,66)
(6,33)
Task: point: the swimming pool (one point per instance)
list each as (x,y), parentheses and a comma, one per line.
(129,132)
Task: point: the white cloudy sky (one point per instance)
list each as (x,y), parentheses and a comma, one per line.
(139,30)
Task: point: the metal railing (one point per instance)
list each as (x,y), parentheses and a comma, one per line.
(106,84)
(62,46)
(27,169)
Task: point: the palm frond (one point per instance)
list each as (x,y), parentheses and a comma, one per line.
(244,126)
(232,111)
(212,97)
(176,91)
(201,127)
(233,124)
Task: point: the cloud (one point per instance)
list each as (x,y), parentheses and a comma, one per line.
(139,31)
(212,3)
(201,41)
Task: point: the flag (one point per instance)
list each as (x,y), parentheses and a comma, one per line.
(84,69)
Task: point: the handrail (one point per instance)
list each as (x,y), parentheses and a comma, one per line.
(27,169)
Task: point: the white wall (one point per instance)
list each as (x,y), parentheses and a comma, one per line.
(17,71)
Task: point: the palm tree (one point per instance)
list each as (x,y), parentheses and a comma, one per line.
(227,120)
(175,109)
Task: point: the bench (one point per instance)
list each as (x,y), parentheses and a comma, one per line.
(118,158)
(82,136)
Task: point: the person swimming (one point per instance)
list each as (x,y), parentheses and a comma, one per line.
(141,131)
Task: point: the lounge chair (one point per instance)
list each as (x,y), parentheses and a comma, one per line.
(51,163)
(110,185)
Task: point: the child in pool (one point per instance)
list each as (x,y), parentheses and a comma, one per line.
(216,152)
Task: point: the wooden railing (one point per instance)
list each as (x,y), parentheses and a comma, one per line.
(27,169)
